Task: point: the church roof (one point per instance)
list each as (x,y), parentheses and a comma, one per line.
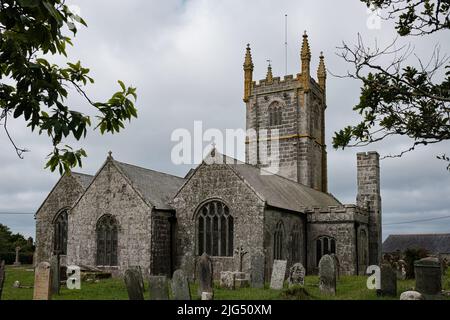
(83,179)
(434,243)
(281,192)
(158,188)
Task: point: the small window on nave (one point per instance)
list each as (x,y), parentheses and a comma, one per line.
(324,245)
(60,233)
(107,229)
(278,237)
(215,230)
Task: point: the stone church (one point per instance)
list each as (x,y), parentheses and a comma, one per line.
(126,215)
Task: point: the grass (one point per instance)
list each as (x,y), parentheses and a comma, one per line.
(348,288)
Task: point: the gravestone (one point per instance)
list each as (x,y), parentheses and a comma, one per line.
(337,265)
(133,283)
(204,274)
(411,295)
(257,263)
(17,262)
(241,280)
(2,277)
(327,275)
(180,286)
(158,288)
(428,277)
(56,278)
(388,281)
(139,273)
(42,282)
(227,280)
(297,275)
(278,274)
(207,296)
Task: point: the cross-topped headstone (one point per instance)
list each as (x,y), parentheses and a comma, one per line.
(241,253)
(17,262)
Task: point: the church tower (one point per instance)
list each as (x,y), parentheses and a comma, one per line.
(292,111)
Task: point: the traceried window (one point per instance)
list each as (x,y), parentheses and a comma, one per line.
(278,237)
(275,114)
(107,230)
(60,233)
(296,243)
(215,230)
(324,245)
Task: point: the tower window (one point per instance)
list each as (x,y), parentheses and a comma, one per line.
(215,228)
(275,114)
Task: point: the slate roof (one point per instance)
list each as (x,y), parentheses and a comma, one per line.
(84,179)
(158,188)
(434,243)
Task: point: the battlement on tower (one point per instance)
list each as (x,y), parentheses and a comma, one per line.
(344,213)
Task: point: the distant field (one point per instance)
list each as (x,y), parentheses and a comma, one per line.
(348,288)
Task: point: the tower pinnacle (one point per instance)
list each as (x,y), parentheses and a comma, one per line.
(248,73)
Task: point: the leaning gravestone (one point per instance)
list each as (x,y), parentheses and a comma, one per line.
(133,283)
(180,286)
(327,275)
(42,282)
(278,274)
(54,266)
(428,277)
(158,288)
(2,276)
(139,273)
(257,263)
(297,275)
(388,281)
(205,274)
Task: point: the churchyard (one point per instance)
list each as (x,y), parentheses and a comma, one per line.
(347,288)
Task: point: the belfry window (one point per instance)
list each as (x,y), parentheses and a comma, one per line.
(107,230)
(60,233)
(324,245)
(215,229)
(275,114)
(278,237)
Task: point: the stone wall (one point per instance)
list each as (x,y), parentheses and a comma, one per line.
(161,243)
(289,219)
(110,193)
(218,182)
(369,197)
(340,223)
(63,196)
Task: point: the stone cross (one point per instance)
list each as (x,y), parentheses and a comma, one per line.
(17,262)
(241,253)
(56,277)
(180,286)
(327,275)
(205,274)
(42,281)
(278,274)
(158,288)
(2,276)
(133,283)
(297,275)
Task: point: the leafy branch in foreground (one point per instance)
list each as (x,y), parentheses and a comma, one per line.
(34,89)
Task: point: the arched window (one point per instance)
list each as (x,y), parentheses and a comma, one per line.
(215,229)
(324,245)
(107,241)
(296,243)
(278,237)
(275,114)
(363,259)
(60,233)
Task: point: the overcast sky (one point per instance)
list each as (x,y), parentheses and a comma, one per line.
(185,58)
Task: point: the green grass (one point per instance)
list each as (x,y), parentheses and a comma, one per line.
(348,288)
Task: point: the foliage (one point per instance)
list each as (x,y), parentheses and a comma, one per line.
(398,99)
(412,255)
(8,243)
(36,90)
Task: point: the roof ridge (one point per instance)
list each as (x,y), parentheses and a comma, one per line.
(419,234)
(82,174)
(156,171)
